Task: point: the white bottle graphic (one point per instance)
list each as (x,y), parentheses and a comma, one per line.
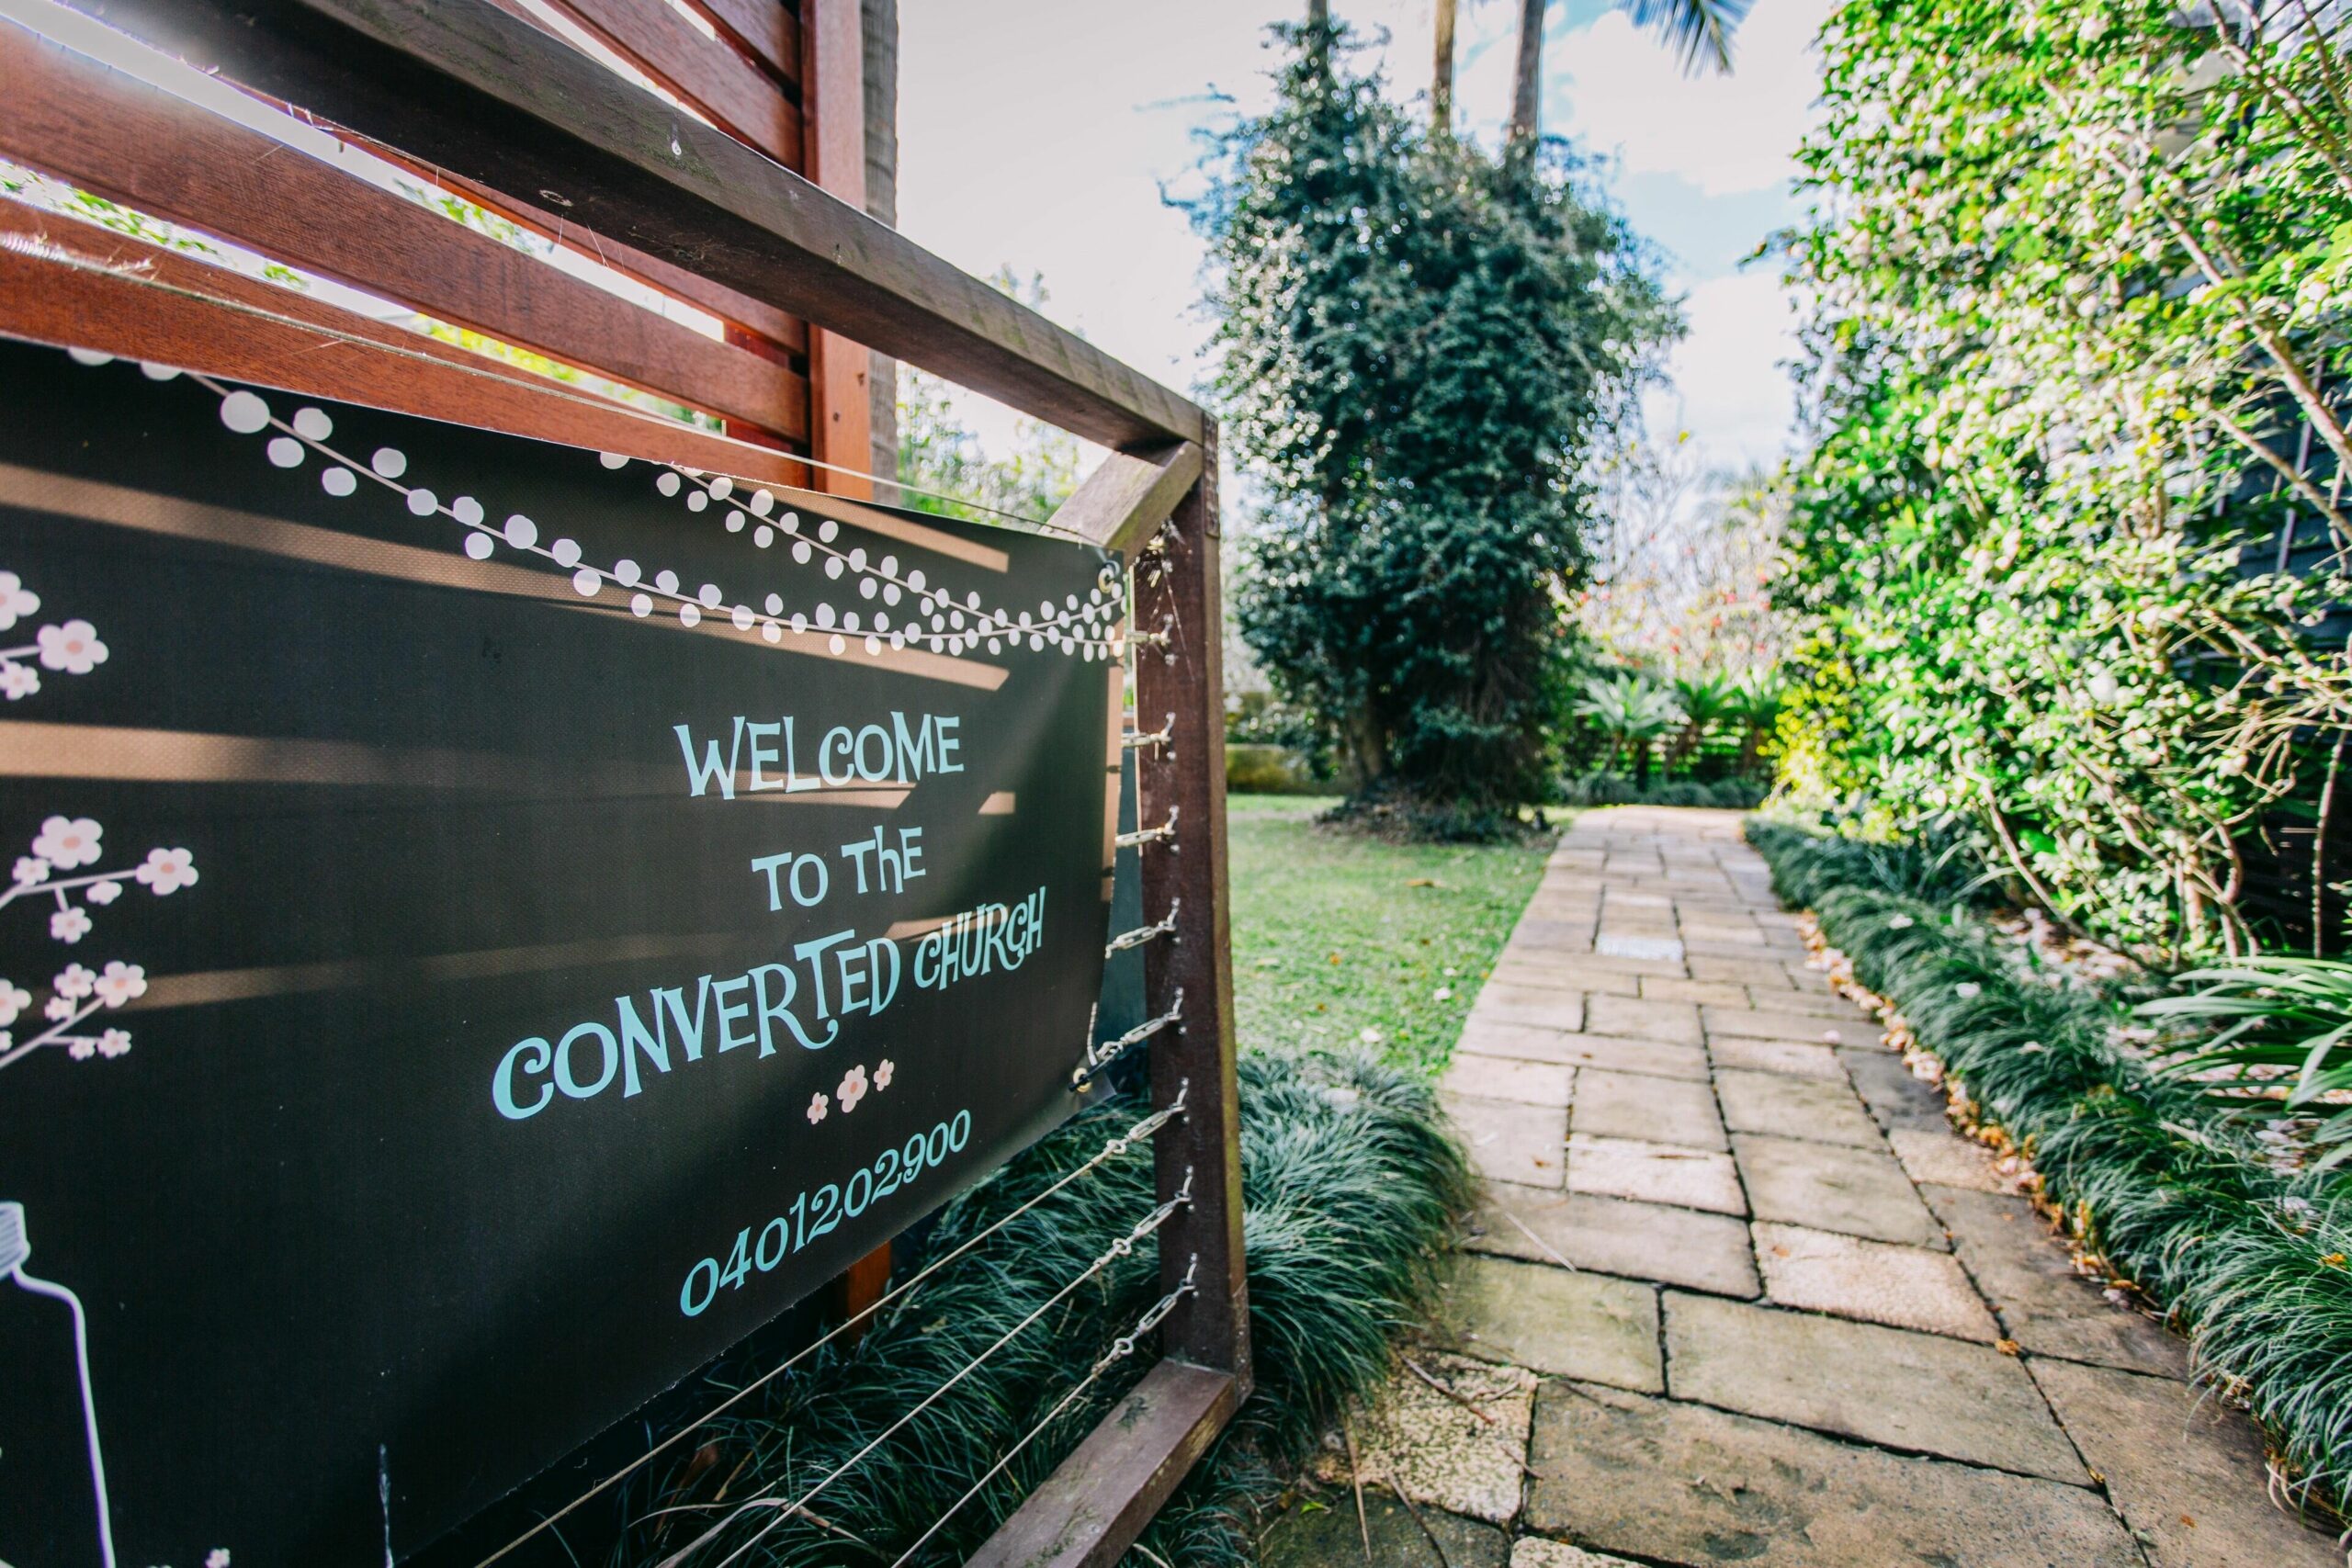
(14,1249)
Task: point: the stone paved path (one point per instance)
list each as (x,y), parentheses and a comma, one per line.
(1739,1294)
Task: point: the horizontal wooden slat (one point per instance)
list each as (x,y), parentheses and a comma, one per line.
(704,71)
(72,283)
(789,332)
(766,29)
(96,128)
(1091,1509)
(468,88)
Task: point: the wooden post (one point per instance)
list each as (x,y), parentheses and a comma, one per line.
(839,369)
(1178,596)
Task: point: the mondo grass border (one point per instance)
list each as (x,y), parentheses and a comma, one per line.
(1351,1185)
(2254,1265)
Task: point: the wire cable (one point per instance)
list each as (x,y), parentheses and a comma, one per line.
(1122,1248)
(1120,1348)
(1109,1151)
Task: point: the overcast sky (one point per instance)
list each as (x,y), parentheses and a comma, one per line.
(1040,135)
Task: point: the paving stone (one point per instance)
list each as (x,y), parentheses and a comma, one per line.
(1877,1281)
(1802,977)
(1325,1533)
(1654,1173)
(2186,1472)
(1916,1391)
(1527,1042)
(1776,1056)
(1530,1552)
(1790,1106)
(1641,1241)
(1550,1319)
(1672,1483)
(1638,1105)
(1740,971)
(1706,934)
(1945,1158)
(1429,1447)
(1537,1007)
(1551,972)
(2048,1308)
(1666,988)
(1895,1096)
(1611,1054)
(1752,1024)
(1512,1143)
(1855,1191)
(1552,936)
(1504,1077)
(1674,1023)
(1836,1012)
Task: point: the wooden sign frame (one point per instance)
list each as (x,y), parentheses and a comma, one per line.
(715,205)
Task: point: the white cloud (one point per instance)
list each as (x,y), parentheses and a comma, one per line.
(1729,390)
(1614,86)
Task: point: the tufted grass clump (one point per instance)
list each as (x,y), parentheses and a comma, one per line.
(2253,1263)
(1350,1185)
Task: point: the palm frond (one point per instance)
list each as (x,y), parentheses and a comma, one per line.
(1697,32)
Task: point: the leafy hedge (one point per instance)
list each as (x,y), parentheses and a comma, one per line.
(1349,1184)
(2067,552)
(2254,1265)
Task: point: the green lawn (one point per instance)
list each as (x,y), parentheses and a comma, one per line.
(1344,940)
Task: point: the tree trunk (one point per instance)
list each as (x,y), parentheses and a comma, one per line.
(1442,78)
(1318,13)
(1642,748)
(1526,92)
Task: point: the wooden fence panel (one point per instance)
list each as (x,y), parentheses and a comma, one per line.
(97,129)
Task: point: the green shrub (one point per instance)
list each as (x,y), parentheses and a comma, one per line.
(2078,278)
(1418,346)
(1608,789)
(1350,1186)
(2250,1262)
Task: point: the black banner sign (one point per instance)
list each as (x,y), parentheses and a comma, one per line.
(488,925)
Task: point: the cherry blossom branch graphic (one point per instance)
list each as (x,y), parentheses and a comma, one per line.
(73,649)
(78,993)
(1091,628)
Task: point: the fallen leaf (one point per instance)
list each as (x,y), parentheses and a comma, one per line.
(2008,1346)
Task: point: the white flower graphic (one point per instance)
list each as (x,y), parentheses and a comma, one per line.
(81,1049)
(853,1088)
(57,1010)
(70,925)
(121,983)
(884,1073)
(31,870)
(68,841)
(817,1109)
(103,893)
(16,601)
(73,648)
(17,681)
(14,1001)
(114,1043)
(73,982)
(166,870)
(219,1554)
